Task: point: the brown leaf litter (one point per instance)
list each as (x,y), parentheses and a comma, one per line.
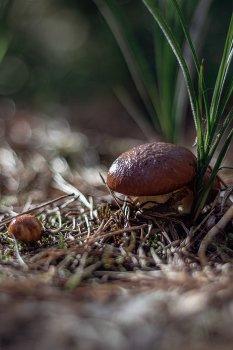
(107,275)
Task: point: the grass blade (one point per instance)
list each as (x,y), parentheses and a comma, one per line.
(195,58)
(221,109)
(200,140)
(124,98)
(202,166)
(203,196)
(166,68)
(227,56)
(133,56)
(220,135)
(197,34)
(172,42)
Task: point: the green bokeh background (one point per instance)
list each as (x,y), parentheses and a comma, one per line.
(63,52)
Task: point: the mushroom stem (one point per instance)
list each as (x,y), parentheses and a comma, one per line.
(150,201)
(147,202)
(187,202)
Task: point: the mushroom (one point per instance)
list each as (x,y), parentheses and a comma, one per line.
(26,227)
(152,172)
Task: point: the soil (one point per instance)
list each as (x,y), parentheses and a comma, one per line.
(76,292)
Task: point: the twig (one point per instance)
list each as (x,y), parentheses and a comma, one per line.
(156,258)
(190,244)
(226,195)
(91,209)
(212,233)
(173,231)
(98,231)
(165,235)
(192,233)
(75,279)
(109,234)
(146,236)
(20,259)
(116,200)
(34,209)
(151,215)
(141,255)
(173,244)
(68,188)
(88,225)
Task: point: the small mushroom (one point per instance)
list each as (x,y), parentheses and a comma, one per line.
(27,228)
(152,172)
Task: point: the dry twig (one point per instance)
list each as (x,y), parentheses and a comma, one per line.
(212,233)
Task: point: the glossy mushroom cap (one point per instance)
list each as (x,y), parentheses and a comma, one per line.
(26,227)
(152,169)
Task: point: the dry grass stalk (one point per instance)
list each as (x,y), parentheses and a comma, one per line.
(212,233)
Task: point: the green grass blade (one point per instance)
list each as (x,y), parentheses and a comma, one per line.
(166,68)
(221,110)
(172,42)
(227,56)
(205,161)
(204,195)
(206,191)
(195,58)
(158,54)
(4,44)
(133,56)
(220,135)
(132,108)
(223,151)
(200,140)
(197,33)
(166,85)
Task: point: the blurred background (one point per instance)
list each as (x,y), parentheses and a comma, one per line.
(83,81)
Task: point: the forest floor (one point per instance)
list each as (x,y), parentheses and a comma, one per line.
(102,277)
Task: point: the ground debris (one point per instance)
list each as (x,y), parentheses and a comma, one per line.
(108,275)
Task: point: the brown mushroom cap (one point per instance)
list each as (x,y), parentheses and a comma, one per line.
(152,169)
(26,227)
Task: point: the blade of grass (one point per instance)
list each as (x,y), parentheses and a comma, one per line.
(124,98)
(206,191)
(204,143)
(133,56)
(221,110)
(166,69)
(225,62)
(207,159)
(197,34)
(196,61)
(172,42)
(200,143)
(220,135)
(4,44)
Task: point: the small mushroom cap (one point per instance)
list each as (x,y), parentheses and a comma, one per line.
(152,169)
(26,227)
